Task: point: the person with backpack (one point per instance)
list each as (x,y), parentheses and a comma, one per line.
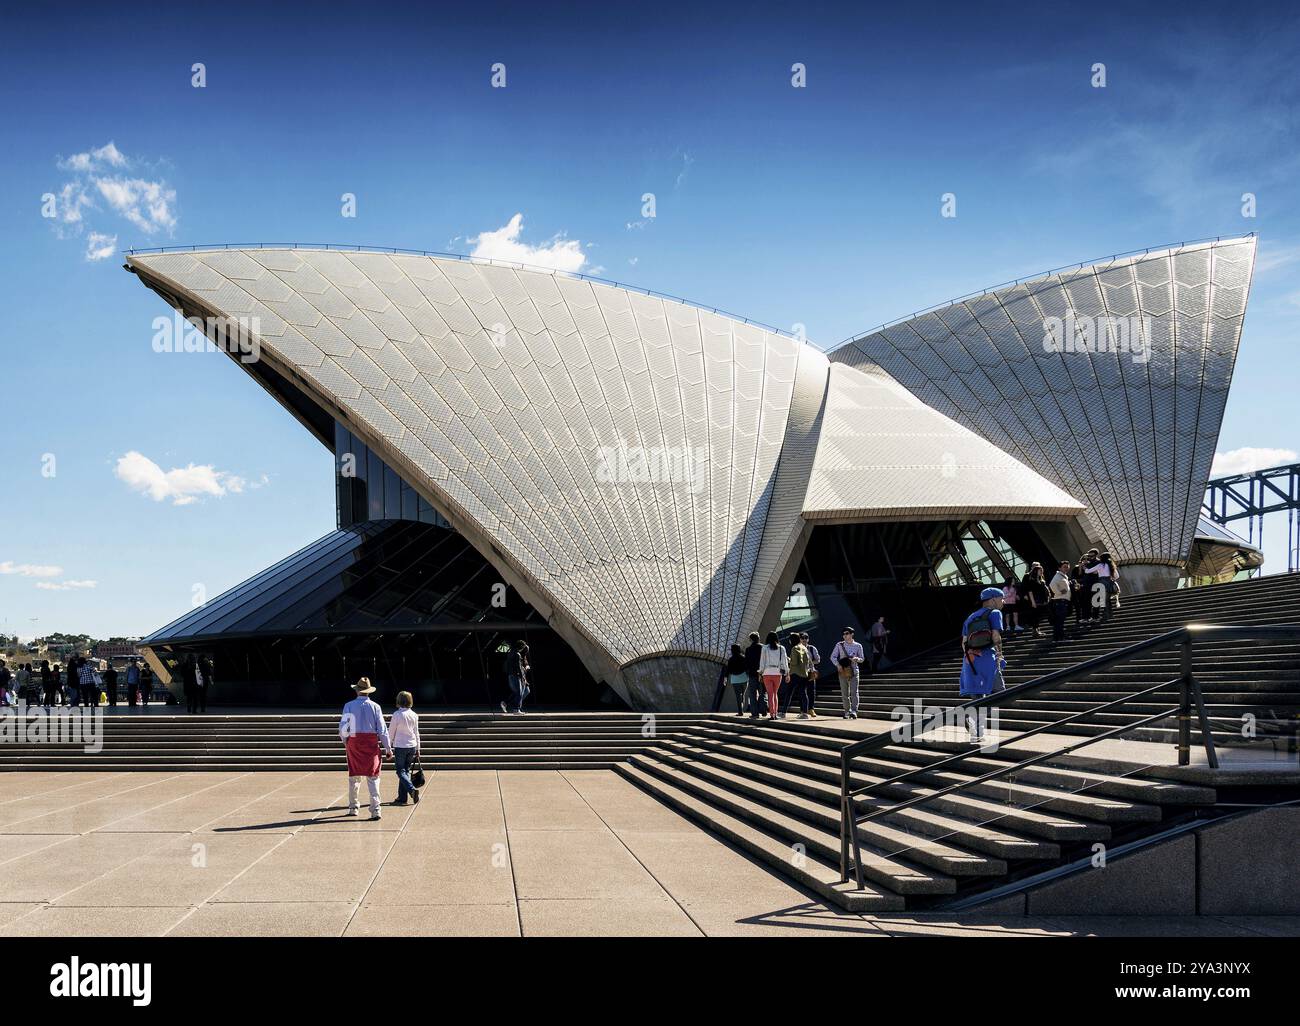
(982,662)
(798,677)
(814,671)
(847,657)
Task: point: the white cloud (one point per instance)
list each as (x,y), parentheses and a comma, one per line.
(1247,460)
(147,205)
(29,569)
(558,253)
(65,585)
(100,246)
(101,188)
(182,485)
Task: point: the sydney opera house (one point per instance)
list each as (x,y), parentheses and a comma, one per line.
(633,483)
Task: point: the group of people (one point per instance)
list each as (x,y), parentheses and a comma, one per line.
(767,677)
(1090,587)
(80,683)
(368,742)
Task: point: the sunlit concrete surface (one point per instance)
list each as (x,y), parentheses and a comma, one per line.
(486,853)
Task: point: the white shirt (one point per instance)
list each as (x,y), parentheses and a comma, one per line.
(1060,586)
(773,661)
(1101,570)
(404,729)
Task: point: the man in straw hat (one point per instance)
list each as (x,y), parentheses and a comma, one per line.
(363,732)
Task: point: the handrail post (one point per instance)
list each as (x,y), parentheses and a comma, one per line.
(844,820)
(1185,701)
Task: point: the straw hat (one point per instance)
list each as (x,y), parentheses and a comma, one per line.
(363,686)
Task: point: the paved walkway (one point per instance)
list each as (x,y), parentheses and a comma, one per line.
(486,853)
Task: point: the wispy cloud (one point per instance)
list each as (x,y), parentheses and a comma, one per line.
(1247,460)
(181,485)
(108,185)
(29,569)
(100,246)
(558,253)
(66,585)
(1187,133)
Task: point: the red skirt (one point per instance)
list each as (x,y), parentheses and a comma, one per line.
(363,755)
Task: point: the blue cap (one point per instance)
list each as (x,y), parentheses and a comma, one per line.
(989,593)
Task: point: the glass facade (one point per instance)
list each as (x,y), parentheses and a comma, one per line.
(367,488)
(923,577)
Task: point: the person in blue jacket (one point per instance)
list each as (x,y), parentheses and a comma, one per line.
(982,662)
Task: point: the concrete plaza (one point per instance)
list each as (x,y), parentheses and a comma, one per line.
(499,853)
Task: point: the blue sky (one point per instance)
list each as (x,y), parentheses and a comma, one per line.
(817,206)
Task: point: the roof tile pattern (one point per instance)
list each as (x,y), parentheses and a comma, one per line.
(1130,430)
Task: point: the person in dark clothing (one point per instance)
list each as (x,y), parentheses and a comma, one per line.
(736,673)
(1033,591)
(1088,572)
(518,677)
(49,683)
(71,689)
(110,684)
(757,694)
(196,678)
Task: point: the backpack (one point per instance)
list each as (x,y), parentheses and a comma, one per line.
(979,631)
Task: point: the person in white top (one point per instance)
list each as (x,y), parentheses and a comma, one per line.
(774,668)
(404,736)
(1060,594)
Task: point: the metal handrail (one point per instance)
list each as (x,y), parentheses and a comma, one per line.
(1190,701)
(470,259)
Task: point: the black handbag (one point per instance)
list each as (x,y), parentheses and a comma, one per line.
(417,773)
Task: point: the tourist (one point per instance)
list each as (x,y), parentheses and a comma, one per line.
(86,681)
(1034,586)
(1088,573)
(774,668)
(879,635)
(196,677)
(1082,611)
(847,657)
(49,683)
(6,681)
(518,678)
(1108,579)
(1011,606)
(110,684)
(753,659)
(814,672)
(146,685)
(799,674)
(22,684)
(132,681)
(404,735)
(364,735)
(72,688)
(982,662)
(1059,595)
(737,677)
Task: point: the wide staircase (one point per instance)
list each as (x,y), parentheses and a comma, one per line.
(1247,684)
(773,789)
(155,740)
